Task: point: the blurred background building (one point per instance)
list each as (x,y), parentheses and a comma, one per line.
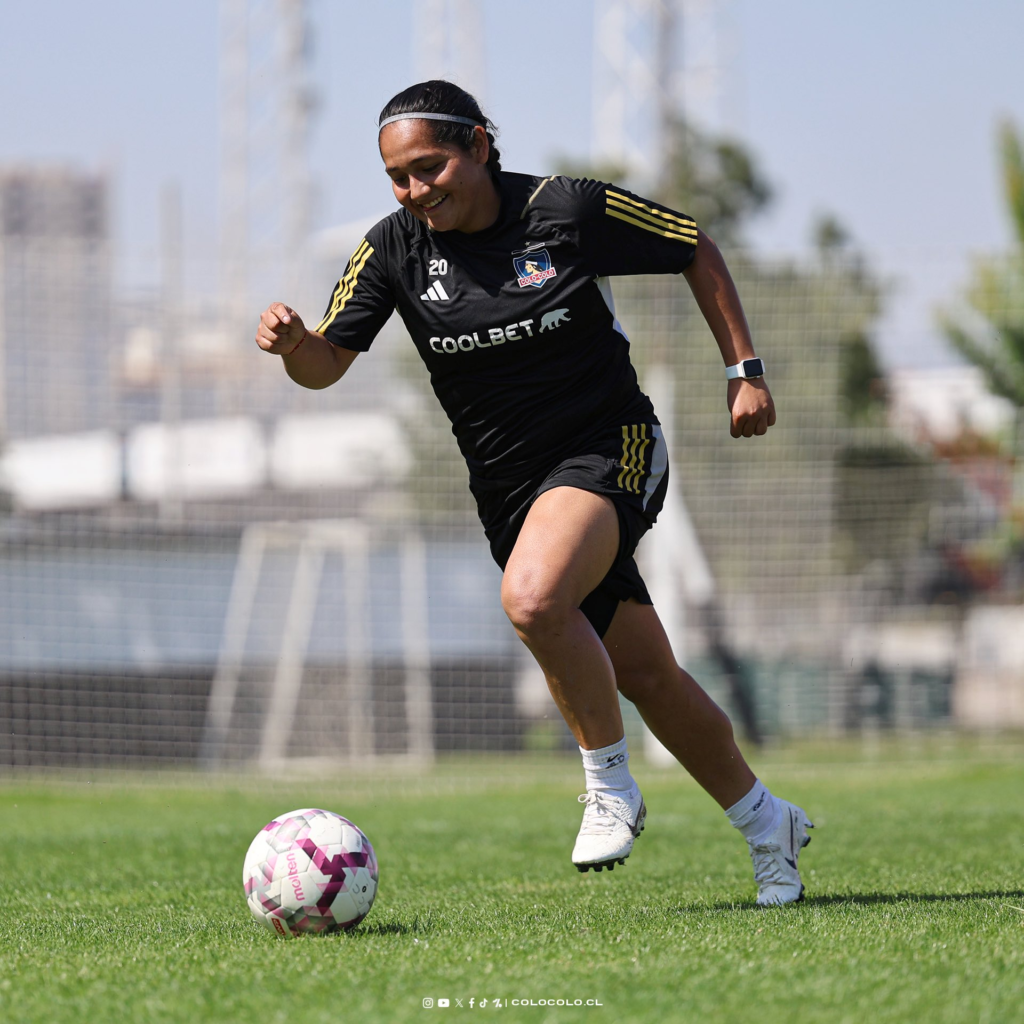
(56,273)
(202,562)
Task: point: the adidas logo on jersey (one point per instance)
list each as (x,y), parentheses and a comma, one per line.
(435,293)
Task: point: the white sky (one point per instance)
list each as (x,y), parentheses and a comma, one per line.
(881,111)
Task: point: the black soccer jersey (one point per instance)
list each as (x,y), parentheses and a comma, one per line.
(515,322)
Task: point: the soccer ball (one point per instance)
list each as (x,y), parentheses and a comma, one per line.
(310,871)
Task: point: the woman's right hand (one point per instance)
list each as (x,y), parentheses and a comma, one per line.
(281,330)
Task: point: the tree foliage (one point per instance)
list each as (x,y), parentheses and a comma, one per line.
(861,381)
(991,336)
(717,181)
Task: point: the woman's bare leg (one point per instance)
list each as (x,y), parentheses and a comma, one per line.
(565,548)
(682,716)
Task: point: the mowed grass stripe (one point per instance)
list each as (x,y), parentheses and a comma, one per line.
(129,902)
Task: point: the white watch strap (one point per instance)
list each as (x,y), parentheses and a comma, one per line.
(732,372)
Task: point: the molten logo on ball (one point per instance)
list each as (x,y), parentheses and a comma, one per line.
(310,871)
(293,872)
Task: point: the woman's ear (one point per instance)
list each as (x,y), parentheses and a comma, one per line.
(481,145)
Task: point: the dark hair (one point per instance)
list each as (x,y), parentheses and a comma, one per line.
(440,97)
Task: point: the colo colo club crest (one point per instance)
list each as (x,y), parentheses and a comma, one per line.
(533,266)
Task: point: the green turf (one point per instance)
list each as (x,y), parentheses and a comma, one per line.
(124,902)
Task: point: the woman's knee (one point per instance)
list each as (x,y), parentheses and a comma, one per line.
(532,606)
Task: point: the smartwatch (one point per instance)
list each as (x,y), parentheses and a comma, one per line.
(747,369)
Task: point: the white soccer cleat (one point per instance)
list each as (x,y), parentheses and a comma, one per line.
(775,859)
(610,824)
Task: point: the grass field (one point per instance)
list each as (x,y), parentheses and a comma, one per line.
(124,902)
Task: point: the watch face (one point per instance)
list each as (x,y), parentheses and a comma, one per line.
(753,368)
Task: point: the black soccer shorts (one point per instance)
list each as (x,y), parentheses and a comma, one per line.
(630,467)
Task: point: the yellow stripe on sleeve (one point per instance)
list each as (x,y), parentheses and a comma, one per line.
(686,222)
(342,289)
(650,227)
(648,218)
(346,286)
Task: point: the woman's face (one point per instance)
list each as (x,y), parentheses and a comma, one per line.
(446,187)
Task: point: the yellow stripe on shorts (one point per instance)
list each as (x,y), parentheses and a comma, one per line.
(633,461)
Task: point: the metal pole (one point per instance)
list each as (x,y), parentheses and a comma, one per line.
(430,39)
(298,624)
(361,744)
(234,162)
(232,645)
(296,105)
(171,319)
(666,20)
(419,708)
(664,563)
(4,258)
(469,50)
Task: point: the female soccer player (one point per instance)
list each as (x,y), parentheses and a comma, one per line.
(501,280)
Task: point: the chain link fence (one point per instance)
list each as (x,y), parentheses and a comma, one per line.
(203,563)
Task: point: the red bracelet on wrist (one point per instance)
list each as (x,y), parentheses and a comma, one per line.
(296,349)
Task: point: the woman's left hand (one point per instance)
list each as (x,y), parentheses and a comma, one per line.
(750,403)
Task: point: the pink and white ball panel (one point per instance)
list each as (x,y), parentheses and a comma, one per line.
(310,870)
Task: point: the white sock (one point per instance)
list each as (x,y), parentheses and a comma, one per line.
(607,768)
(756,815)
